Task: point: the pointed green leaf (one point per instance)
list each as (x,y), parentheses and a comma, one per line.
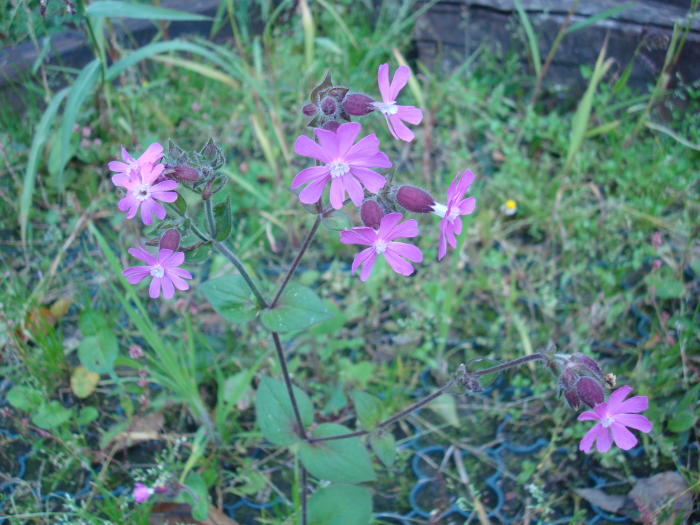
(223,220)
(116,9)
(340,505)
(368,407)
(339,460)
(384,446)
(230,297)
(298,308)
(274,412)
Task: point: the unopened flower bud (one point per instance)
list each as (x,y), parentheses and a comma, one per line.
(572,399)
(309,110)
(371,214)
(586,362)
(590,391)
(183,174)
(415,199)
(170,240)
(328,106)
(358,104)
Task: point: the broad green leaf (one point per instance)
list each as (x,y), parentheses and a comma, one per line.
(87,415)
(384,446)
(339,460)
(368,407)
(197,496)
(40,135)
(230,297)
(446,407)
(83,382)
(24,398)
(98,352)
(298,308)
(223,220)
(116,9)
(686,414)
(274,412)
(666,288)
(340,505)
(50,415)
(92,322)
(81,89)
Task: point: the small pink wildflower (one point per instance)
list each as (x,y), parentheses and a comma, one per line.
(451,224)
(381,241)
(141,492)
(135,352)
(613,419)
(130,167)
(163,268)
(393,113)
(143,191)
(346,164)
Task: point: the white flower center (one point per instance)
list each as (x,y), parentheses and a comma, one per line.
(157,270)
(388,108)
(142,192)
(607,421)
(338,168)
(439,209)
(380,245)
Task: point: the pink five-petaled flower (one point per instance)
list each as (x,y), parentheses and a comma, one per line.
(451,224)
(163,268)
(346,165)
(139,178)
(393,113)
(381,241)
(141,492)
(613,418)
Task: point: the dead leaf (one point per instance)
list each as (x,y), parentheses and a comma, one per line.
(608,502)
(665,495)
(143,428)
(170,513)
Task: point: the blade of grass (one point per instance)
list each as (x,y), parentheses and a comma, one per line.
(116,9)
(40,137)
(79,92)
(198,67)
(591,20)
(307,24)
(531,37)
(339,20)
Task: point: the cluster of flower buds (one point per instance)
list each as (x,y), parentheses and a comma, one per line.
(580,380)
(349,165)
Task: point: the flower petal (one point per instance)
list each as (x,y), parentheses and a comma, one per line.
(360,235)
(370,179)
(361,258)
(307,175)
(401,76)
(136,274)
(397,263)
(383,82)
(345,136)
(171,259)
(168,288)
(312,193)
(409,251)
(410,114)
(119,167)
(617,397)
(604,439)
(400,130)
(588,416)
(154,288)
(354,189)
(408,228)
(328,141)
(179,283)
(633,404)
(623,438)
(166,185)
(467,206)
(153,154)
(635,421)
(586,443)
(142,255)
(306,147)
(368,265)
(337,193)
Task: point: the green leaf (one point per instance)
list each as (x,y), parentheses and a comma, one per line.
(337,221)
(446,407)
(92,322)
(339,460)
(50,415)
(666,288)
(531,37)
(368,407)
(40,136)
(87,415)
(230,297)
(83,382)
(25,398)
(223,220)
(116,9)
(298,308)
(197,496)
(81,89)
(340,505)
(384,446)
(608,13)
(274,412)
(98,352)
(686,414)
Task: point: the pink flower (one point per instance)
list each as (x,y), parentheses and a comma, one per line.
(451,224)
(346,165)
(163,268)
(141,492)
(131,166)
(613,419)
(144,191)
(381,241)
(393,113)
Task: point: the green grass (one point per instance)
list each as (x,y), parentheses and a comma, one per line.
(573,266)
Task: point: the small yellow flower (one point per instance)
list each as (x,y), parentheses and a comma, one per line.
(509,207)
(144,83)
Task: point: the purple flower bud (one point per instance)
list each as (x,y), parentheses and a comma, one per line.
(586,362)
(358,104)
(590,391)
(309,110)
(170,240)
(328,106)
(415,199)
(331,125)
(572,398)
(371,214)
(182,174)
